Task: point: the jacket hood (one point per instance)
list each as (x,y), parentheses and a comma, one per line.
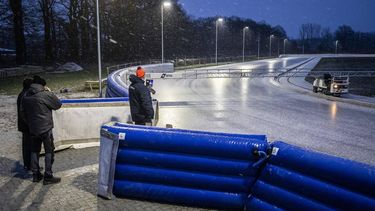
(134,79)
(35,88)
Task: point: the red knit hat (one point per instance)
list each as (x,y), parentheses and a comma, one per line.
(140,73)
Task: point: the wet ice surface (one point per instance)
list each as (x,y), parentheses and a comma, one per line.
(255,106)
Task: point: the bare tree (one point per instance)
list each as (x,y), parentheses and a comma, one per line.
(18,28)
(310,31)
(47,9)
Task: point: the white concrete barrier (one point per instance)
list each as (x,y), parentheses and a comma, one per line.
(78,122)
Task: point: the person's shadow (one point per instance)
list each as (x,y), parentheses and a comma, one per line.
(14,175)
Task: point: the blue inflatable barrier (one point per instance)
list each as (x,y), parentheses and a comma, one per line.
(115,87)
(175,194)
(187,162)
(95,100)
(258,205)
(215,182)
(258,137)
(295,178)
(196,168)
(190,143)
(346,173)
(227,171)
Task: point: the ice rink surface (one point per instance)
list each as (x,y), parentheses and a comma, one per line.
(257,106)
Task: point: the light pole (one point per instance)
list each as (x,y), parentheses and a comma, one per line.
(219,20)
(258,46)
(337,43)
(285,40)
(243,43)
(271,36)
(164,4)
(303,47)
(99,49)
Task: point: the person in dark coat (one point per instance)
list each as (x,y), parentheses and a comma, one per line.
(37,106)
(22,126)
(140,100)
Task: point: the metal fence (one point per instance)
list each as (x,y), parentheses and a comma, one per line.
(182,62)
(263,73)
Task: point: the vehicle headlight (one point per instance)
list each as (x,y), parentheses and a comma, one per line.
(335,86)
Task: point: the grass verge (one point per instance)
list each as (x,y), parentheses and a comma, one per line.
(74,81)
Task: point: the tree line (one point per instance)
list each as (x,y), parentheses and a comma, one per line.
(50,31)
(313,38)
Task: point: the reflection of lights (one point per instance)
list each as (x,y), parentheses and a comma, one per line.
(333,110)
(271,65)
(219,86)
(246,67)
(285,62)
(244,87)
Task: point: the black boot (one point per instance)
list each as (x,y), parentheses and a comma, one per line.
(49,179)
(37,177)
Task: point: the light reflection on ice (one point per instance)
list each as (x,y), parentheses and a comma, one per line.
(333,110)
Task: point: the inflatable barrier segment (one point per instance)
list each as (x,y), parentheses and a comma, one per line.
(115,86)
(195,168)
(226,171)
(95,100)
(295,178)
(209,144)
(258,137)
(116,81)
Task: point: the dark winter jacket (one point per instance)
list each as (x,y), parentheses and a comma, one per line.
(140,100)
(37,106)
(22,125)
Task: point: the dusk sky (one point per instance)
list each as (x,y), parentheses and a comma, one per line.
(290,14)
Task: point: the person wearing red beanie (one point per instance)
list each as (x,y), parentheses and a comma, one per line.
(140,100)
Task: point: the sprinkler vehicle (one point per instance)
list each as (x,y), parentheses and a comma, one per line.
(329,85)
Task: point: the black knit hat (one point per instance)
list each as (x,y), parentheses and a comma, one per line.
(27,82)
(39,80)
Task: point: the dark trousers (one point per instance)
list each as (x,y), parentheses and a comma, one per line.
(47,140)
(140,123)
(26,149)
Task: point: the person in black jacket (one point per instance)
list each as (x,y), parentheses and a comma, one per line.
(22,127)
(140,100)
(37,106)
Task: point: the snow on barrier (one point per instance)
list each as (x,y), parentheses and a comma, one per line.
(298,179)
(117,81)
(179,166)
(79,120)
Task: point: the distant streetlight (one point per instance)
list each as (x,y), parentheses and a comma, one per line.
(243,43)
(164,4)
(258,45)
(99,49)
(336,43)
(303,48)
(285,40)
(271,36)
(219,20)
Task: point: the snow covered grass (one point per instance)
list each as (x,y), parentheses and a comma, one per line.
(74,81)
